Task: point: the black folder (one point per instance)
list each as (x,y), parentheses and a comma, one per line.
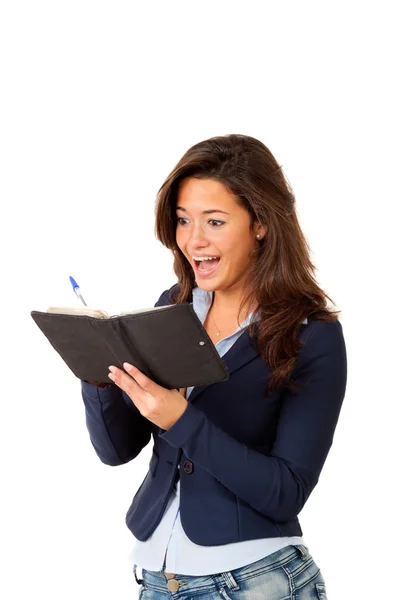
(167,343)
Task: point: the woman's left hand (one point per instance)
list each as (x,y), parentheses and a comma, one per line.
(159,405)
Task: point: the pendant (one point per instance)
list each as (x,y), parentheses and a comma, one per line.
(218,333)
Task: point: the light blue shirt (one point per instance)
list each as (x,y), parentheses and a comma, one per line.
(182,555)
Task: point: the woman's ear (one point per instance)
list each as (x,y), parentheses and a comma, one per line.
(260,232)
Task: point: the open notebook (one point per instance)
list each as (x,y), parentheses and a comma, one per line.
(167,343)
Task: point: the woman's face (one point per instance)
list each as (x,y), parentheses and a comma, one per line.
(211,224)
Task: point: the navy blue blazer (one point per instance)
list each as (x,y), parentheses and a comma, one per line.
(248,462)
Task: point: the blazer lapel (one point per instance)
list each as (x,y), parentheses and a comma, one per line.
(237,356)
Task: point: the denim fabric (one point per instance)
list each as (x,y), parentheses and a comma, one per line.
(288,574)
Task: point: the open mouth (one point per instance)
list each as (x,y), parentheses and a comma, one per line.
(206,267)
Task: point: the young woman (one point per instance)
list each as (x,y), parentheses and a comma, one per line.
(233,463)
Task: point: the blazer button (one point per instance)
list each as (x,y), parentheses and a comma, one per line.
(188,467)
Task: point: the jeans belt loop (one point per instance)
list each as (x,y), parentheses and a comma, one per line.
(138,581)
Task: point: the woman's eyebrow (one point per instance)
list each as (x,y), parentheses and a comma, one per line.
(206,212)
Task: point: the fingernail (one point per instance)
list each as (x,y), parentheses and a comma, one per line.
(127,366)
(112,369)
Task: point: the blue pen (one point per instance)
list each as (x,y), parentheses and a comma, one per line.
(76,289)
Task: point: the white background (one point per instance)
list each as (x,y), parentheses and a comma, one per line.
(99,100)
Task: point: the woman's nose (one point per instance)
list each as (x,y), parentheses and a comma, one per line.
(198,235)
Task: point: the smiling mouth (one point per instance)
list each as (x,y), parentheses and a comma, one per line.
(206,267)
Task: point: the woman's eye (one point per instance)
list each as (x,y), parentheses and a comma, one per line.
(214,222)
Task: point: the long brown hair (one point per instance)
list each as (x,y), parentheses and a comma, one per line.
(286,291)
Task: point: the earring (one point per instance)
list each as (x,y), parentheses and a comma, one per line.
(258,236)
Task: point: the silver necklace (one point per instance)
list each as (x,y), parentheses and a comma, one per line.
(219,331)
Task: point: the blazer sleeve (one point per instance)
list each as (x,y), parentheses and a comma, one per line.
(278,484)
(117,430)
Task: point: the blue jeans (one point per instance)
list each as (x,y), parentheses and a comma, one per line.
(288,574)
